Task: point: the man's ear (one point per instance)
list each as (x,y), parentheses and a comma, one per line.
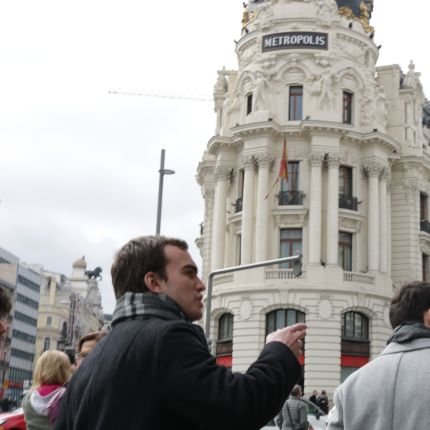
(426,318)
(152,282)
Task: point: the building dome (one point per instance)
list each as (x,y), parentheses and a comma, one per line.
(80,263)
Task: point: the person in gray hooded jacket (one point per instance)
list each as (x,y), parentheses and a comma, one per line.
(383,394)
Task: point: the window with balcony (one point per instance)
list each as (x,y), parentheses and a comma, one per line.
(290,193)
(240,182)
(345,251)
(280,318)
(424,219)
(346,199)
(295,103)
(347,107)
(355,345)
(224,347)
(248,103)
(290,244)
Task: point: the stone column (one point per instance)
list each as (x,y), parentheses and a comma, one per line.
(315,209)
(262,207)
(383,223)
(373,171)
(219,217)
(332,210)
(247,210)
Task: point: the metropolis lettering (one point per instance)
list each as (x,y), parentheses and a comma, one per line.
(295,40)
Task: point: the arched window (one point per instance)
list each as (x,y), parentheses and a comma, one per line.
(355,326)
(355,346)
(224,346)
(280,318)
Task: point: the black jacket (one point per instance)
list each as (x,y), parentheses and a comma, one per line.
(153,374)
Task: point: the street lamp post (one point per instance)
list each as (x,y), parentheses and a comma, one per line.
(162,172)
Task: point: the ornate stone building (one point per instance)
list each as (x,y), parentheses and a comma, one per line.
(356,200)
(69,308)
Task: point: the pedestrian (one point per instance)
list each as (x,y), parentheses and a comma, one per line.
(294,413)
(313,397)
(154,369)
(41,403)
(86,344)
(322,401)
(383,394)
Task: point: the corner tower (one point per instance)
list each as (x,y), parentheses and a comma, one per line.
(306,75)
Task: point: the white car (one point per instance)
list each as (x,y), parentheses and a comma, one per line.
(319,423)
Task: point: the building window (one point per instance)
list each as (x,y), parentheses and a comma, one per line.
(240,183)
(345,251)
(46,343)
(290,194)
(295,103)
(355,345)
(425,262)
(248,103)
(49,321)
(345,180)
(346,199)
(281,318)
(423,206)
(355,326)
(290,244)
(224,347)
(347,107)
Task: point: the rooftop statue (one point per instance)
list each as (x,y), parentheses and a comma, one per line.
(360,10)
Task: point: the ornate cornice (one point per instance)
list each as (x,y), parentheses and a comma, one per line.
(248,162)
(298,218)
(373,169)
(264,160)
(333,161)
(316,159)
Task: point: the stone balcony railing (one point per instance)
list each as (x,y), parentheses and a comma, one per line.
(358,277)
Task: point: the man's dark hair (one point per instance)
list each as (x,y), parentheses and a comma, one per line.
(5,304)
(138,257)
(410,303)
(95,335)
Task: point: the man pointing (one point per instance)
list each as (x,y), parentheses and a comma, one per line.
(154,370)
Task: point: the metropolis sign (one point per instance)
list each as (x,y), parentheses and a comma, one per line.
(295,40)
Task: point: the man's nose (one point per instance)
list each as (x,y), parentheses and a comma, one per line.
(200,284)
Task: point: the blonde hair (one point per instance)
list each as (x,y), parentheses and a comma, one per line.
(52,367)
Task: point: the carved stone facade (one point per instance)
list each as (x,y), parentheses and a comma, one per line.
(357,179)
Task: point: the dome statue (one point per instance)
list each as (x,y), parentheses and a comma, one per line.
(80,263)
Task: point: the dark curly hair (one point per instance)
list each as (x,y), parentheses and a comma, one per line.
(410,303)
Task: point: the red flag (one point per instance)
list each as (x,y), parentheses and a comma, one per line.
(283,168)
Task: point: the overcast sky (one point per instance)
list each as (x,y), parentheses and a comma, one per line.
(79,166)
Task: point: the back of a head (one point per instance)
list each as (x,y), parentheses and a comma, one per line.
(136,258)
(52,367)
(410,303)
(296,391)
(95,336)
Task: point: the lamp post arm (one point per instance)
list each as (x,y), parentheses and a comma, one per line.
(236,269)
